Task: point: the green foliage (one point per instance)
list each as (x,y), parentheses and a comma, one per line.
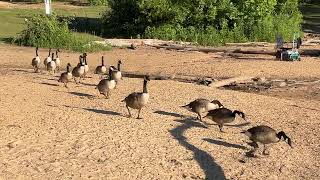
(97,2)
(50,32)
(207,22)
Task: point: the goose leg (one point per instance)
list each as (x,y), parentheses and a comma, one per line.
(265,151)
(255,148)
(108,94)
(74,78)
(220,127)
(199,117)
(129,111)
(139,114)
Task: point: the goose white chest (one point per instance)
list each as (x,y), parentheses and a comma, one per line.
(144,98)
(37,60)
(211,106)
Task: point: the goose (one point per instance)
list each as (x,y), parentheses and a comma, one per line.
(78,71)
(105,85)
(201,106)
(36,61)
(116,73)
(51,66)
(66,76)
(102,69)
(86,67)
(138,100)
(57,60)
(47,59)
(265,135)
(222,116)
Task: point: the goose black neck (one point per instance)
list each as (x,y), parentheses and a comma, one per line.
(52,56)
(37,52)
(68,68)
(57,54)
(119,66)
(110,74)
(49,52)
(145,90)
(283,135)
(102,61)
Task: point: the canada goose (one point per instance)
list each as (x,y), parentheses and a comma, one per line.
(78,71)
(265,135)
(51,66)
(138,100)
(66,76)
(116,73)
(57,60)
(86,67)
(101,70)
(105,85)
(201,106)
(47,59)
(36,62)
(223,115)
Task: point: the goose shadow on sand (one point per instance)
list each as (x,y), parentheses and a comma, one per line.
(225,144)
(105,112)
(49,84)
(82,94)
(211,169)
(169,114)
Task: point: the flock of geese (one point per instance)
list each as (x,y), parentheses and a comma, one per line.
(137,100)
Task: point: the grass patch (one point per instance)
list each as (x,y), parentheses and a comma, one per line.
(50,32)
(12,20)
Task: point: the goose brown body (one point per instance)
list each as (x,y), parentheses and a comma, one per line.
(265,135)
(116,73)
(66,76)
(102,69)
(222,116)
(78,71)
(57,60)
(86,66)
(137,100)
(47,59)
(51,66)
(36,62)
(105,85)
(202,105)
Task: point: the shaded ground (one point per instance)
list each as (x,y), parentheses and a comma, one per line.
(51,132)
(311,17)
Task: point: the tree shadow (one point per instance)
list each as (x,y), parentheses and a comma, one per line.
(211,169)
(81,94)
(49,84)
(169,114)
(225,144)
(105,112)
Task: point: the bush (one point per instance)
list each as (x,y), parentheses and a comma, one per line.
(49,32)
(97,2)
(207,22)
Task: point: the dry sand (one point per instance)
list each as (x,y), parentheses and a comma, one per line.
(49,132)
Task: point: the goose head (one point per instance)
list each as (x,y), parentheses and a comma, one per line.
(218,103)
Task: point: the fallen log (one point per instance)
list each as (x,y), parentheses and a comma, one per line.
(180,78)
(264,52)
(229,81)
(263,44)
